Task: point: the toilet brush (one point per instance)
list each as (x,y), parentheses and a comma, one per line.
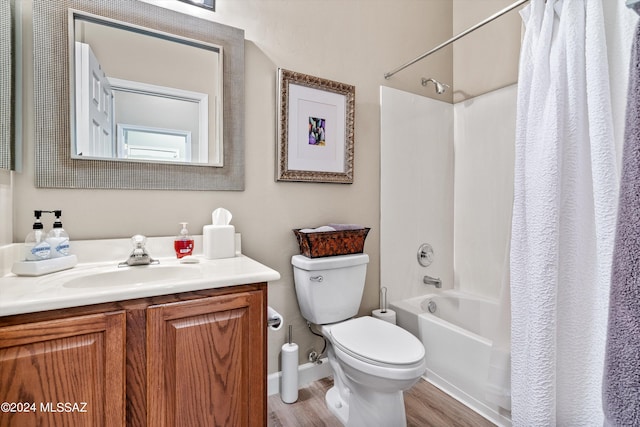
(289,385)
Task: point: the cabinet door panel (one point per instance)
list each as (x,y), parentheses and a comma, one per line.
(64,372)
(206,363)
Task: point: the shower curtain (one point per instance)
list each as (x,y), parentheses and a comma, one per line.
(565,198)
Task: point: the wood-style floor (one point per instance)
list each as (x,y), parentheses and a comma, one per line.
(426,406)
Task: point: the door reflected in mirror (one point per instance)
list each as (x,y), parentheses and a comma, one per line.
(142,95)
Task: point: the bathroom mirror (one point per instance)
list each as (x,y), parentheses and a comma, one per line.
(5,85)
(155,94)
(193,136)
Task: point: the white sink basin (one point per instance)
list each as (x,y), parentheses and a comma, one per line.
(132,276)
(101,281)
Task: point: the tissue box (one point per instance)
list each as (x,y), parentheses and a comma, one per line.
(331,243)
(218,241)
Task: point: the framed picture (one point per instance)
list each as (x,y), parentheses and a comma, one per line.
(315,129)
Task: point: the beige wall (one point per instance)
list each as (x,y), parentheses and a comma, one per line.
(352,41)
(487,59)
(138,57)
(6,206)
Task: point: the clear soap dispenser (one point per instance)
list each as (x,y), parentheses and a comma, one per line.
(58,238)
(36,246)
(183,243)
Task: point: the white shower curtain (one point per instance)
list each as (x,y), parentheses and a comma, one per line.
(564,216)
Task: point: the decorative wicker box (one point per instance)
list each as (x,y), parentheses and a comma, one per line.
(331,243)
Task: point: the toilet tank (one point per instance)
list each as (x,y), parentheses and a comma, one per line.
(329,289)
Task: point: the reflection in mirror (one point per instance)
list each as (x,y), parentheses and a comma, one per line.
(143,95)
(56,166)
(139,142)
(5,85)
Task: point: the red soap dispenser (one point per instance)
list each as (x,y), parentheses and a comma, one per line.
(183,243)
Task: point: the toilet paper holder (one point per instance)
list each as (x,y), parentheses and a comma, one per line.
(274,319)
(274,322)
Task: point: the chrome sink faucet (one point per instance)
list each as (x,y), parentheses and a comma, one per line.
(428,280)
(139,255)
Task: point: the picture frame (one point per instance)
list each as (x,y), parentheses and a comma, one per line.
(315,122)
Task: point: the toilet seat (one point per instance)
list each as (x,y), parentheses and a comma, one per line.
(377,342)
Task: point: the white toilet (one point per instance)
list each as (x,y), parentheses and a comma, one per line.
(373,361)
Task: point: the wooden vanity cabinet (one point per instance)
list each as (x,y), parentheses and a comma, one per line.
(64,372)
(190,359)
(204,362)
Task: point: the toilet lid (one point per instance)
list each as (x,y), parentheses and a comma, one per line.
(378,341)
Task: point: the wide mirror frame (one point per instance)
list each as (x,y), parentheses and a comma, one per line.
(55,167)
(6,42)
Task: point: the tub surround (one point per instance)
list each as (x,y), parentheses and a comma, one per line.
(64,289)
(417,191)
(469,209)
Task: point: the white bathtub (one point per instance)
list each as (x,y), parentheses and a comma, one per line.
(457,344)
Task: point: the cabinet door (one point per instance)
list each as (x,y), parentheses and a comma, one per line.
(207,361)
(66,372)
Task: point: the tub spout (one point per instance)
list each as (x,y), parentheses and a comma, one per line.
(428,280)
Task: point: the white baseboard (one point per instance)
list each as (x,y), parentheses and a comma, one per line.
(307,373)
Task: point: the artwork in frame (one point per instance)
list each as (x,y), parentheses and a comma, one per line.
(315,129)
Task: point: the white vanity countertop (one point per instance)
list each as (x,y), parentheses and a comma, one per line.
(99,282)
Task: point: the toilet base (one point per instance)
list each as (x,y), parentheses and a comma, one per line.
(337,405)
(367,408)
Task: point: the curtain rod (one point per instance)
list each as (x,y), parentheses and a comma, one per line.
(464,33)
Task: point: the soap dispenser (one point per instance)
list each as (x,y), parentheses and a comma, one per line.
(58,238)
(183,243)
(36,246)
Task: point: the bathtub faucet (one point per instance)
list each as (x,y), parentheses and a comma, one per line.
(428,280)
